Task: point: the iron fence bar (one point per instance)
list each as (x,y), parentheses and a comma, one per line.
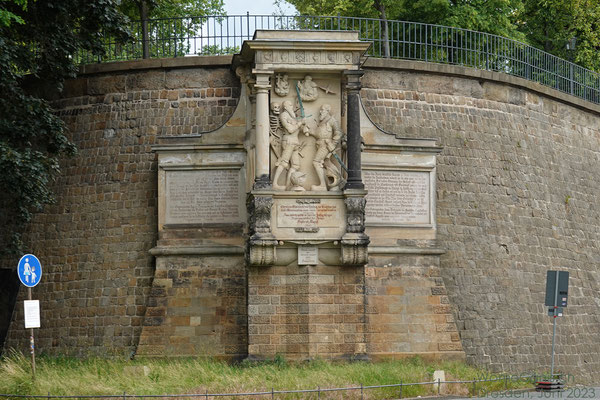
(173,37)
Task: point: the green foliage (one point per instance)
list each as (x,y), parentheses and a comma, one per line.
(551,24)
(7,17)
(172,8)
(38,42)
(172,26)
(493,16)
(546,24)
(213,50)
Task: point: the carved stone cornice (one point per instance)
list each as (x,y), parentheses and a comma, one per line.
(302,50)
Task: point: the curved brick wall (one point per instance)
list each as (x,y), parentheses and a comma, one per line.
(517,194)
(95,240)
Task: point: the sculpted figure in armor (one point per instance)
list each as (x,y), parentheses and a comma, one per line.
(290,154)
(328,136)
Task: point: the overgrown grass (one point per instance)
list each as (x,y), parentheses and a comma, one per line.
(97,376)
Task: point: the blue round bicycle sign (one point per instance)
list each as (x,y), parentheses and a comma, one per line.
(29,270)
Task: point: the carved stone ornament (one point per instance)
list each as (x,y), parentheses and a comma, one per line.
(261,246)
(261,254)
(355,214)
(243,73)
(355,242)
(282,86)
(259,210)
(355,252)
(308,89)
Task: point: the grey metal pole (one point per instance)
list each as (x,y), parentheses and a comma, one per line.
(31,340)
(554,325)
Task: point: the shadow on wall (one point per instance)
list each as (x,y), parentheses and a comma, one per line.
(9,288)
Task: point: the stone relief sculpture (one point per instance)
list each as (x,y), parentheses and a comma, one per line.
(274,129)
(308,89)
(290,143)
(297,180)
(282,86)
(328,137)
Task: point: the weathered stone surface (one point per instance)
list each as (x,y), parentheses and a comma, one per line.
(516,196)
(203,301)
(94,241)
(517,193)
(301,311)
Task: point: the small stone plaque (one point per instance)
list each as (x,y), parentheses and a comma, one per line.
(208,196)
(397,197)
(308,255)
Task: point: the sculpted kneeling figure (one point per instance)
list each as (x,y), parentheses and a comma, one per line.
(328,135)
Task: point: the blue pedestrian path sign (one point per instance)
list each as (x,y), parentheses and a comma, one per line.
(29,270)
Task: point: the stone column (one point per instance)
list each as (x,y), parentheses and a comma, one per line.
(262,87)
(354,138)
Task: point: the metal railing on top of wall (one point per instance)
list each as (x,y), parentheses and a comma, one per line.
(211,35)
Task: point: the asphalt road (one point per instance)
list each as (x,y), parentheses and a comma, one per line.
(570,393)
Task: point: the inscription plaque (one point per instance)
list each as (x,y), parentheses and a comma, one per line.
(397,197)
(202,196)
(308,255)
(308,213)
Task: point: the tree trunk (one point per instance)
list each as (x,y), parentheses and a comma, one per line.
(143,7)
(384,27)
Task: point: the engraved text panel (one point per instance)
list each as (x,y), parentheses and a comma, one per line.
(397,197)
(202,197)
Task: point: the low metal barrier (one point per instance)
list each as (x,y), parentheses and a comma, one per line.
(273,393)
(211,35)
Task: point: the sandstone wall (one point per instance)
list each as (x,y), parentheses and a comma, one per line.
(94,241)
(517,194)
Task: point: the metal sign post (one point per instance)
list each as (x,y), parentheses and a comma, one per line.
(29,271)
(554,324)
(557,291)
(31,340)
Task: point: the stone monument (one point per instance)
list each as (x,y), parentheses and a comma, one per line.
(307,207)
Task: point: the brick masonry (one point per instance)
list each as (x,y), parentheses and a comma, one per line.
(197,306)
(306,312)
(516,195)
(95,240)
(408,310)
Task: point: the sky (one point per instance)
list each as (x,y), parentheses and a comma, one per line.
(256,7)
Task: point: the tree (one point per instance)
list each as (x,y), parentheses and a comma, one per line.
(552,24)
(143,10)
(493,16)
(38,44)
